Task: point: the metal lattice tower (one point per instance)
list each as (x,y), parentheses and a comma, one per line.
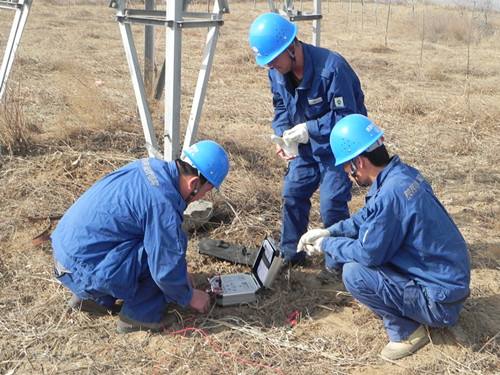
(174,19)
(22,9)
(288,10)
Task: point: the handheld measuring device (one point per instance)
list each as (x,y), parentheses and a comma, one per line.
(237,288)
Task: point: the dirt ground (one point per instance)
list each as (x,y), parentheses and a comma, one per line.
(70,118)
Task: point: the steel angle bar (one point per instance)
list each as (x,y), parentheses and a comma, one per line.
(174,19)
(316,24)
(140,92)
(12,4)
(201,85)
(173,54)
(305,17)
(146,13)
(272,6)
(137,81)
(8,4)
(296,15)
(143,21)
(149,49)
(223,6)
(188,24)
(22,8)
(160,86)
(210,16)
(162,14)
(146,18)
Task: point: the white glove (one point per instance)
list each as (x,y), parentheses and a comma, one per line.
(310,237)
(297,134)
(314,248)
(291,148)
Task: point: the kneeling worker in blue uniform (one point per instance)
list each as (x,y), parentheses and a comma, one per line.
(401,254)
(312,88)
(122,239)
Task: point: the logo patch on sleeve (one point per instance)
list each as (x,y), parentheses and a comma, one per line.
(339,101)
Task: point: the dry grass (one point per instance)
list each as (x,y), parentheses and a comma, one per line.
(74,87)
(16,133)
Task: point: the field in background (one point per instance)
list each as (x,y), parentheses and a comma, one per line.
(70,118)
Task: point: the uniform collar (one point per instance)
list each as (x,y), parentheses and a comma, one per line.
(308,70)
(174,175)
(377,184)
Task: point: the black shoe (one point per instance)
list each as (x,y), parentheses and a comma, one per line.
(297,259)
(129,325)
(92,307)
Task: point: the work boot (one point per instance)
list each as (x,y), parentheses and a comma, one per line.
(398,350)
(92,307)
(129,325)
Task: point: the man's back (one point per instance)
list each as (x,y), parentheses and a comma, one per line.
(112,211)
(432,250)
(133,211)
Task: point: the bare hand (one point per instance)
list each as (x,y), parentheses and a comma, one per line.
(282,154)
(191,280)
(200,301)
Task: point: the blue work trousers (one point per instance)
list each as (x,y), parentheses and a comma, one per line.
(302,179)
(148,304)
(402,304)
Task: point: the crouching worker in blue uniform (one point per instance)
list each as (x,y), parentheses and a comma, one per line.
(401,254)
(312,89)
(122,239)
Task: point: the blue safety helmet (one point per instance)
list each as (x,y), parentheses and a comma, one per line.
(210,159)
(353,135)
(270,34)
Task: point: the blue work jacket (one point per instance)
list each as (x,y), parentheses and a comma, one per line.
(328,91)
(404,226)
(126,223)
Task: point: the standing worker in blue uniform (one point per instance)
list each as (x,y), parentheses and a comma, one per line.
(122,239)
(313,88)
(401,254)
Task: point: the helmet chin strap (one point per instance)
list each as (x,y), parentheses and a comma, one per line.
(292,53)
